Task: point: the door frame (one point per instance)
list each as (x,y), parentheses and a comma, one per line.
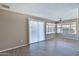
(28,39)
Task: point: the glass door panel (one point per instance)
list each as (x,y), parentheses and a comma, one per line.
(33,32)
(41,31)
(36,31)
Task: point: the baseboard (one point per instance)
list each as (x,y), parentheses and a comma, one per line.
(13,48)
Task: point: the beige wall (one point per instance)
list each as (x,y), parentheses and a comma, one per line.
(12,29)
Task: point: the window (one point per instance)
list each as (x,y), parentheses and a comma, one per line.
(66,28)
(59,28)
(73,28)
(50,28)
(69,28)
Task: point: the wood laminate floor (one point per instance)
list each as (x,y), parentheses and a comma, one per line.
(56,47)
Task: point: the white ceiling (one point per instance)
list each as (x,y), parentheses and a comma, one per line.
(52,11)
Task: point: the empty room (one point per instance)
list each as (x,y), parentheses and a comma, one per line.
(39,29)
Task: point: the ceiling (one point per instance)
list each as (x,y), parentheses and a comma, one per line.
(53,11)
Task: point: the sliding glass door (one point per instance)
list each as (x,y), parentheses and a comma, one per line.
(36,31)
(41,34)
(33,31)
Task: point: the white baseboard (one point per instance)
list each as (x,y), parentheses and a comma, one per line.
(13,48)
